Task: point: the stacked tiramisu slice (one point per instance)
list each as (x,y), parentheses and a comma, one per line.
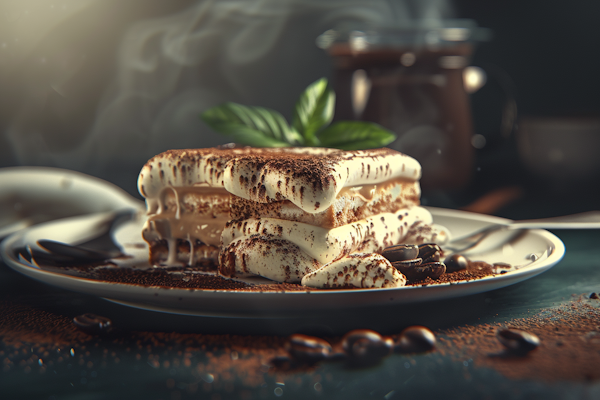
(303,215)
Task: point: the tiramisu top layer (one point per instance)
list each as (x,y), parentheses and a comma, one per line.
(310,178)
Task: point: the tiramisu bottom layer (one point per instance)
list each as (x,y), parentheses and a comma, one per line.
(289,251)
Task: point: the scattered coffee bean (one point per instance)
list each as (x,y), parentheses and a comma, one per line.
(307,349)
(401,252)
(406,266)
(409,269)
(430,252)
(366,347)
(434,269)
(456,262)
(517,341)
(93,324)
(415,339)
(594,295)
(414,270)
(408,263)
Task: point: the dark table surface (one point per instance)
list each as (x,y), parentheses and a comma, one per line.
(154,355)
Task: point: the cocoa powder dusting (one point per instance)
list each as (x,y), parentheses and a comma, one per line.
(22,325)
(477,270)
(569,347)
(36,340)
(185,280)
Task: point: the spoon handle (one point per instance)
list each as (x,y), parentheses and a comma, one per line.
(585,220)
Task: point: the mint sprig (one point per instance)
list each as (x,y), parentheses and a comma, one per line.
(311,124)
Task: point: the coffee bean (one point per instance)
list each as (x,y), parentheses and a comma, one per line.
(416,274)
(365,347)
(408,263)
(517,341)
(433,269)
(406,267)
(401,252)
(414,270)
(93,324)
(415,339)
(307,349)
(430,252)
(456,262)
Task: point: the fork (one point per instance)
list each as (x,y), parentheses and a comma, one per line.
(585,220)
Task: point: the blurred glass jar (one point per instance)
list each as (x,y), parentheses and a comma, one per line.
(415,81)
(561,152)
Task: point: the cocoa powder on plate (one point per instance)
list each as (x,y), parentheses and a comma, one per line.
(186,279)
(569,347)
(163,278)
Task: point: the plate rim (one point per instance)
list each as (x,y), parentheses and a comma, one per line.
(118,192)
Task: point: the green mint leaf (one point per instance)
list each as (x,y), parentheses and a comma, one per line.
(314,110)
(263,127)
(355,135)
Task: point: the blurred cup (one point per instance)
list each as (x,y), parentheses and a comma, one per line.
(562,152)
(414,80)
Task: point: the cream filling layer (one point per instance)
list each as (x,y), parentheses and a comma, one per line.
(364,195)
(368,192)
(193,227)
(172,216)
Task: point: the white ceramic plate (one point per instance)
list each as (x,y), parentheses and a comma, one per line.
(31,195)
(501,247)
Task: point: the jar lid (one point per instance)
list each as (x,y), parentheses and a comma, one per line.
(423,33)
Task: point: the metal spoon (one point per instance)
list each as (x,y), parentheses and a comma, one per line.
(586,220)
(99,248)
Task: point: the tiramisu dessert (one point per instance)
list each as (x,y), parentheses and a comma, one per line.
(313,216)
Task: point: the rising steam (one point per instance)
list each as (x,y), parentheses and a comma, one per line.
(170,69)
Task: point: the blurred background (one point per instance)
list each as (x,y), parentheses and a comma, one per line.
(498,117)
